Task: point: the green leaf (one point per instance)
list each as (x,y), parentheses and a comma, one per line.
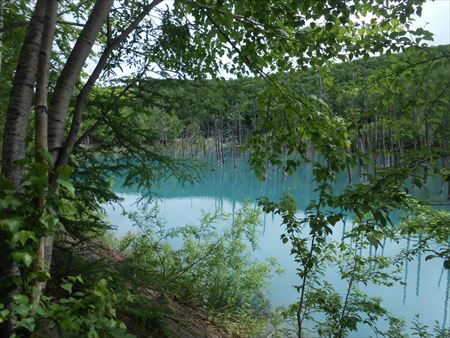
(27,323)
(39,183)
(3,313)
(50,222)
(65,171)
(20,298)
(75,279)
(11,224)
(68,186)
(41,169)
(9,201)
(333,219)
(23,236)
(22,309)
(22,257)
(68,287)
(43,276)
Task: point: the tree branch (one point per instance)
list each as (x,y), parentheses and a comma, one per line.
(87,88)
(25,24)
(70,74)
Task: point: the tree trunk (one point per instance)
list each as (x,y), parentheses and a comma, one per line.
(57,112)
(21,96)
(2,3)
(383,137)
(14,135)
(82,97)
(41,146)
(43,79)
(70,74)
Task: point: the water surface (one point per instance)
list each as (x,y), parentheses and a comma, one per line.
(426,285)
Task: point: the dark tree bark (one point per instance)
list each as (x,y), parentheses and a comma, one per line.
(2,4)
(14,135)
(21,96)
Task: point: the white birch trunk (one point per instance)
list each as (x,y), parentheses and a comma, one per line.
(41,146)
(82,97)
(70,74)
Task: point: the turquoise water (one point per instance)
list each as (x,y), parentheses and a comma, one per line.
(427,285)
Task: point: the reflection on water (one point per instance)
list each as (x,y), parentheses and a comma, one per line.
(446,302)
(405,281)
(225,189)
(419,264)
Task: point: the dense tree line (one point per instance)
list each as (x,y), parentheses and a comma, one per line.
(393,104)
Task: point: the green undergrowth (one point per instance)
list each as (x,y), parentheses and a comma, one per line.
(207,266)
(202,275)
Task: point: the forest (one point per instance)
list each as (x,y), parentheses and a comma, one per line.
(147,95)
(392,108)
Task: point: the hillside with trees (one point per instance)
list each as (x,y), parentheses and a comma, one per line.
(394,104)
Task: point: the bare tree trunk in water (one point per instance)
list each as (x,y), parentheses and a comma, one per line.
(383,137)
(14,135)
(446,144)
(376,147)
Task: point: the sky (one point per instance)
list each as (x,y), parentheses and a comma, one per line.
(436,18)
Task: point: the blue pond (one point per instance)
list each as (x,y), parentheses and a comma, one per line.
(425,286)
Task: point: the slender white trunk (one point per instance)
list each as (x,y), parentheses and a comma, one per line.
(70,74)
(41,146)
(57,113)
(82,97)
